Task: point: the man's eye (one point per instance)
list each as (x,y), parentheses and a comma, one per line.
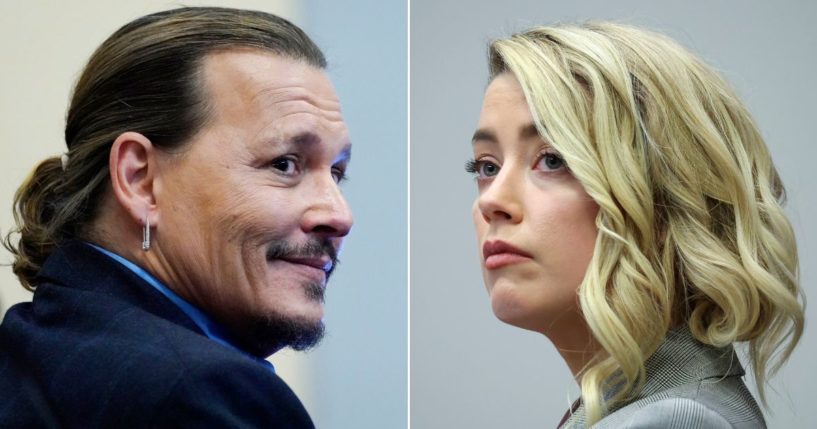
(286,165)
(339,175)
(483,169)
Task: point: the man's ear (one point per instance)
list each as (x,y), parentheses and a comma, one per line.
(132,169)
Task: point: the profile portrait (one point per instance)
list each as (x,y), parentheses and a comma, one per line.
(629,207)
(178,246)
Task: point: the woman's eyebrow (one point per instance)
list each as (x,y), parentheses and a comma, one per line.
(528,131)
(483,134)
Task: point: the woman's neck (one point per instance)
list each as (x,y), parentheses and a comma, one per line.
(572,338)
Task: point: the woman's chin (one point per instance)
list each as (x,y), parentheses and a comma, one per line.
(508,307)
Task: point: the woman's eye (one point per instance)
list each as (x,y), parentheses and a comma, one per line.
(488,169)
(550,162)
(483,169)
(286,165)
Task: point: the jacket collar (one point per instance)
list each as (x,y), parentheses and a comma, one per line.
(679,360)
(682,359)
(75,264)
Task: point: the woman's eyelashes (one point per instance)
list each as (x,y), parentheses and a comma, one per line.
(482,168)
(547,162)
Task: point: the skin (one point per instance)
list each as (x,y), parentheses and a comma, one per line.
(529,199)
(262,174)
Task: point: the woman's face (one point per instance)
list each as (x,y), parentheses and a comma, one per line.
(535,223)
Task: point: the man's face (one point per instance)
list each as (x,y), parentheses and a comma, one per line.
(250,213)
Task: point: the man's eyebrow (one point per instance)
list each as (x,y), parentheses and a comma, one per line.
(306,138)
(309,138)
(484,135)
(345,154)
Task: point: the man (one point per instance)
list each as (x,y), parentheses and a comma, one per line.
(187,234)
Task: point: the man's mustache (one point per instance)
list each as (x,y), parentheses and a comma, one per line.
(314,248)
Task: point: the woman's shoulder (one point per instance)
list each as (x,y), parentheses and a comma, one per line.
(686,413)
(723,403)
(691,384)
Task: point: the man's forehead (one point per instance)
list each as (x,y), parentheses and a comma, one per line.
(309,133)
(259,76)
(284,93)
(258,89)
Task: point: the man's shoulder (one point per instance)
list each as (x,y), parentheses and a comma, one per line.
(205,384)
(100,361)
(67,329)
(239,394)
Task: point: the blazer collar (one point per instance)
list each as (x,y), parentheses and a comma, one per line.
(682,359)
(679,360)
(77,265)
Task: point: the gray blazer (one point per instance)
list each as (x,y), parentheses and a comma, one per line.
(688,385)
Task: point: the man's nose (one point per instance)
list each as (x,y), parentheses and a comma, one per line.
(328,214)
(500,200)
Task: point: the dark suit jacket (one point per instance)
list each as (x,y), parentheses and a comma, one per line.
(99,347)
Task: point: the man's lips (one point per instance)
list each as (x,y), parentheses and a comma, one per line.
(322,263)
(498,254)
(314,258)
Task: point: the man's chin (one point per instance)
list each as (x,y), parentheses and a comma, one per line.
(274,332)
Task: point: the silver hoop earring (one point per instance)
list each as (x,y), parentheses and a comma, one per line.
(146,235)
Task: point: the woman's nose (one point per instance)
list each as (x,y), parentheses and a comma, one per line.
(500,200)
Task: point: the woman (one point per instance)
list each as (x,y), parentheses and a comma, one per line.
(629,210)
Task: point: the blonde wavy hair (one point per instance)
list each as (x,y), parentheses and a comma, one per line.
(691,225)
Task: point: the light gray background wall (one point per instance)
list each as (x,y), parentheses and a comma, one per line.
(357,378)
(467,368)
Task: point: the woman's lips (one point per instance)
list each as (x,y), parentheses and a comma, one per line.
(499,254)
